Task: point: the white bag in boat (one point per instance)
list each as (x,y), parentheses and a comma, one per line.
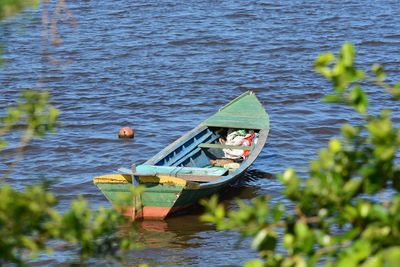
(234,138)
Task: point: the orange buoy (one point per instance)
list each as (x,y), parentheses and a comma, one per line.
(126,132)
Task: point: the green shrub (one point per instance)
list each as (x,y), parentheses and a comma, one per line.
(347,211)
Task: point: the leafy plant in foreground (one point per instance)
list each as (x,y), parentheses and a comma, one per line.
(347,212)
(29,219)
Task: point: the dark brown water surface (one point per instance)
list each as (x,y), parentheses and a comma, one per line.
(162,67)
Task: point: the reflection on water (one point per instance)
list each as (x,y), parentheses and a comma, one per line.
(165,242)
(254,175)
(174,230)
(155,234)
(184,232)
(154,226)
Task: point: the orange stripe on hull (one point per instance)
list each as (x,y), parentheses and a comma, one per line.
(125,211)
(148,213)
(158,213)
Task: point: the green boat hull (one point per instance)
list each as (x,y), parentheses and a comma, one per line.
(156,202)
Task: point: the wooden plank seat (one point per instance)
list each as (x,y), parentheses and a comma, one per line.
(186,150)
(193,177)
(207,145)
(216,171)
(185,173)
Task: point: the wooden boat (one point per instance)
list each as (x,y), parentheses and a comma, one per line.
(181,174)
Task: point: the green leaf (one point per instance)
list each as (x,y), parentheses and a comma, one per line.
(396,91)
(349,213)
(335,98)
(288,241)
(10,8)
(347,53)
(254,263)
(278,211)
(349,131)
(379,72)
(380,212)
(391,256)
(381,129)
(265,240)
(352,186)
(385,153)
(288,175)
(335,145)
(3,144)
(322,62)
(301,229)
(364,209)
(220,212)
(358,99)
(259,238)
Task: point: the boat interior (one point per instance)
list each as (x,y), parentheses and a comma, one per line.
(202,155)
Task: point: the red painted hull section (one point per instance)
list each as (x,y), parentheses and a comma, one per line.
(148,213)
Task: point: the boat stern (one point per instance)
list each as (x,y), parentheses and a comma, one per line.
(154,202)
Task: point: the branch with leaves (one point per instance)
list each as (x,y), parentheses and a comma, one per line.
(29,220)
(34,114)
(346,212)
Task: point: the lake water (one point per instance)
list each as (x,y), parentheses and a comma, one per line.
(162,67)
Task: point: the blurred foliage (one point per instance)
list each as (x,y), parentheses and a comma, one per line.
(347,212)
(33,112)
(29,220)
(9,8)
